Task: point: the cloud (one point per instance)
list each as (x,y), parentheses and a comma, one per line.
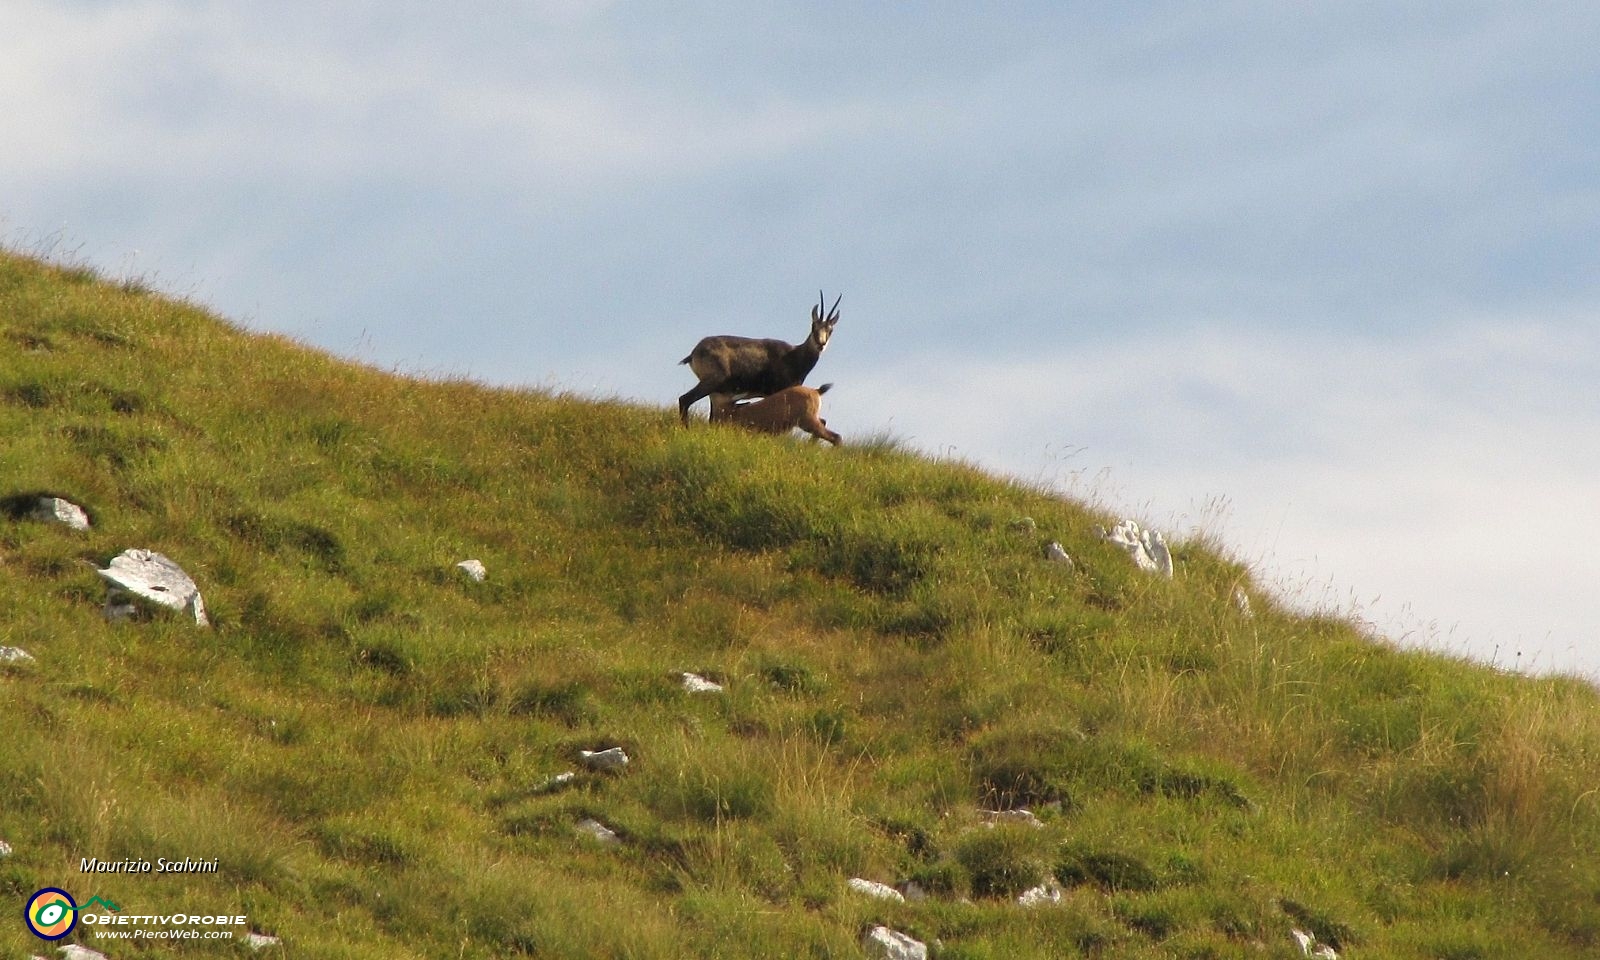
(374,91)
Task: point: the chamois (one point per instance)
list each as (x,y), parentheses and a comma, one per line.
(743,366)
(780,412)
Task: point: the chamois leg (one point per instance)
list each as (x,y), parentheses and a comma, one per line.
(700,392)
(818,427)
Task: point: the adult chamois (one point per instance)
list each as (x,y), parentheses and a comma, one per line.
(730,367)
(781,412)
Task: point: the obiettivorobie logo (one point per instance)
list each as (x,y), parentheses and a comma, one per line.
(52,913)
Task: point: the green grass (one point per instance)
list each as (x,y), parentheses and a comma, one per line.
(365,738)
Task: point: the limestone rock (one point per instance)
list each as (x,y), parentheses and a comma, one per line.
(149,576)
(1021,816)
(15,655)
(880,891)
(886,944)
(1054,552)
(1147,547)
(1310,947)
(257,941)
(1045,894)
(5,849)
(557,782)
(474,569)
(591,827)
(1242,601)
(611,759)
(694,683)
(64,512)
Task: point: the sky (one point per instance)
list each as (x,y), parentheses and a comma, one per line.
(1315,281)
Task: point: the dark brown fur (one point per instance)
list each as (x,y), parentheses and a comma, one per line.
(729,366)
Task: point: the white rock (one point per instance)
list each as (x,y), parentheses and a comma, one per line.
(1055,554)
(612,759)
(1042,895)
(153,577)
(15,655)
(872,888)
(1147,548)
(64,512)
(694,683)
(256,941)
(1020,815)
(1242,601)
(5,849)
(1308,939)
(556,782)
(590,827)
(474,570)
(886,944)
(74,952)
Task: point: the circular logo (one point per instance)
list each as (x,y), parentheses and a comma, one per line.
(51,913)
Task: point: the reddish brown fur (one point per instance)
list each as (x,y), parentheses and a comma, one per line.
(782,412)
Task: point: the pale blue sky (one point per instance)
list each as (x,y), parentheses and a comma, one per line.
(1333,263)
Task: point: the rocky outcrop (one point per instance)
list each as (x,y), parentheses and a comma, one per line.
(605,760)
(1147,547)
(886,944)
(64,512)
(144,576)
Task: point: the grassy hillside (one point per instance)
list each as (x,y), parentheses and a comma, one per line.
(365,738)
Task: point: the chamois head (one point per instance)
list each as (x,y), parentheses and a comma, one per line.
(822,323)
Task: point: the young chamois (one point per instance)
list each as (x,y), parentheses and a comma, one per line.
(780,412)
(731,367)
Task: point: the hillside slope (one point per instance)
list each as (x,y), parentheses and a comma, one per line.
(365,739)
